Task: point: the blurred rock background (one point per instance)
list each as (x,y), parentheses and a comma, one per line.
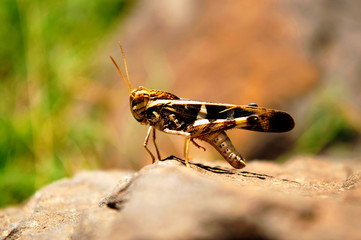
(64,107)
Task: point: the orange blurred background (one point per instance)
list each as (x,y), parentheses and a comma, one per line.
(279,54)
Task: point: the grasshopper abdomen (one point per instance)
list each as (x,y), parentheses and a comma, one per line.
(221,142)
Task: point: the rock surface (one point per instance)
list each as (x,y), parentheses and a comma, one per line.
(304,198)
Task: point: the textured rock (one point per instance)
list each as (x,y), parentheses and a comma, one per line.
(56,210)
(303,199)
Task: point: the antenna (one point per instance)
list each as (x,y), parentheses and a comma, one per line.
(127,83)
(121,74)
(125,64)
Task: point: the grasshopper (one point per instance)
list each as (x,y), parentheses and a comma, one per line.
(205,121)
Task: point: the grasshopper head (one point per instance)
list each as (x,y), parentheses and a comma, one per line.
(138,100)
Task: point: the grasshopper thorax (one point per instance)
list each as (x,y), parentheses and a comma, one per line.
(138,100)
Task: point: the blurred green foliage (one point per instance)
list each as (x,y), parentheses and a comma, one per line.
(331,123)
(45,47)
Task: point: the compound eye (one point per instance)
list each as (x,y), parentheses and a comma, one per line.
(139,97)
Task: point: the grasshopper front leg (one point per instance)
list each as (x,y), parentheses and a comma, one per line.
(155,144)
(146,142)
(186,143)
(186,149)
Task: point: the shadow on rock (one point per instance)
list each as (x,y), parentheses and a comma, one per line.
(224,170)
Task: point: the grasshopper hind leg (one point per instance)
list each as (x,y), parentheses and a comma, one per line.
(197,145)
